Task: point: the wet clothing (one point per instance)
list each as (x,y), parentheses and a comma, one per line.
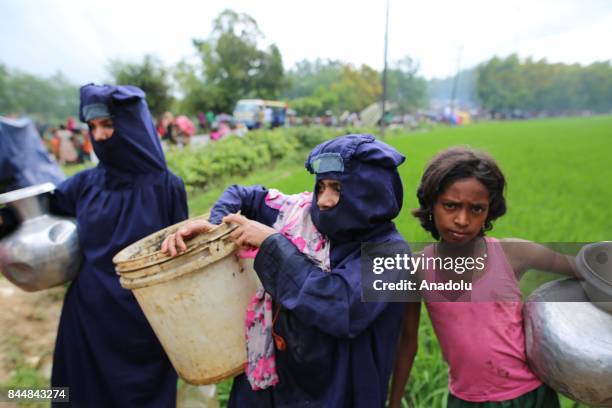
(492,365)
(339,350)
(106,351)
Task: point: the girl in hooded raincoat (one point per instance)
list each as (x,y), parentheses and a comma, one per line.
(330,348)
(106,352)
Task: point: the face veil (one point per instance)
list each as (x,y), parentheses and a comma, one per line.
(372,192)
(134,147)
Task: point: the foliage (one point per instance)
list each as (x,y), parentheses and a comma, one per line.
(232,67)
(49,99)
(307,76)
(318,86)
(336,87)
(404,87)
(507,84)
(235,157)
(150,76)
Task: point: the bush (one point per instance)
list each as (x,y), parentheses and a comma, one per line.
(234,156)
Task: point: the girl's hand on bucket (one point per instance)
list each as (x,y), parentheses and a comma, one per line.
(249,233)
(175,243)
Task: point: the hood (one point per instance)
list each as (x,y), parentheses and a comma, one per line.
(134,147)
(372,192)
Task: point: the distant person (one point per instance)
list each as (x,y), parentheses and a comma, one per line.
(70,123)
(202,122)
(210,117)
(260,117)
(268,117)
(87,147)
(67,152)
(170,127)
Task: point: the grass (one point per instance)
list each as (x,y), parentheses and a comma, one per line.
(559,190)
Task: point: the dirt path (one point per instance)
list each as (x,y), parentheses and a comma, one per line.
(28,326)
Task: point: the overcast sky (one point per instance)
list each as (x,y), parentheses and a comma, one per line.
(78,37)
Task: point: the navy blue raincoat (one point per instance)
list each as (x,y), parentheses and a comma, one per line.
(340,350)
(106,351)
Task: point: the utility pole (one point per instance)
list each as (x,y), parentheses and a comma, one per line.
(384,78)
(455,81)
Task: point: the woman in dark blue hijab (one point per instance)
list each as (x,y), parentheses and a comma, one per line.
(338,350)
(106,352)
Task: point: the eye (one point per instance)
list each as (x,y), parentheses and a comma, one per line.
(478,210)
(337,187)
(449,206)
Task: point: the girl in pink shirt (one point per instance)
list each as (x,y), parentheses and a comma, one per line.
(480,327)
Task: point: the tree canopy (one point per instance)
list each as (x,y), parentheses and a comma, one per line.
(151,76)
(232,66)
(506,84)
(53,98)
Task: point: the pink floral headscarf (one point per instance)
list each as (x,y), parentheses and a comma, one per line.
(295,223)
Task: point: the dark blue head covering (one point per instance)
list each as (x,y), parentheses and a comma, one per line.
(134,147)
(372,191)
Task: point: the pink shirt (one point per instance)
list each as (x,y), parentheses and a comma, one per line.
(483,340)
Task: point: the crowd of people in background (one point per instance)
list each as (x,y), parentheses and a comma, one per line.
(70,142)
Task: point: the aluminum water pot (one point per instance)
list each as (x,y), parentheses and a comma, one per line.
(44,250)
(569,342)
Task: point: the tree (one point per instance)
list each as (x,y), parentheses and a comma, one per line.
(538,86)
(501,85)
(232,66)
(597,80)
(357,88)
(307,76)
(404,87)
(46,99)
(320,86)
(150,76)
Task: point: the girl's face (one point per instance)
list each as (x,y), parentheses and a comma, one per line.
(101,129)
(328,194)
(461,210)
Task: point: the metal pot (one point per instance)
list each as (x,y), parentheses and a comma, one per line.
(44,250)
(569,342)
(594,262)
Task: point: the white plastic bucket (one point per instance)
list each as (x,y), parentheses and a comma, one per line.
(195,302)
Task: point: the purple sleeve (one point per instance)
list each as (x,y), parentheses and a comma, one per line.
(249,200)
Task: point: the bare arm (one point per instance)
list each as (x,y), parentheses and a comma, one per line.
(524,255)
(406,352)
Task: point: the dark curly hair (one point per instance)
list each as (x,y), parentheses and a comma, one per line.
(458,163)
